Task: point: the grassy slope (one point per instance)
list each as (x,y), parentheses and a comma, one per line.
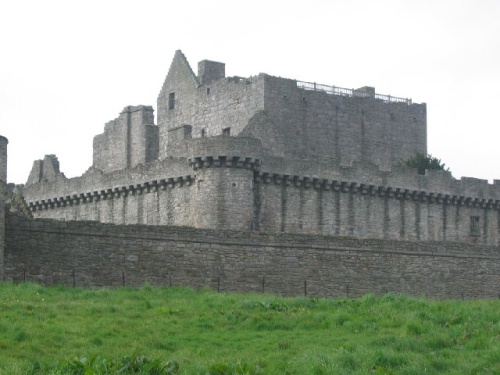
(204,330)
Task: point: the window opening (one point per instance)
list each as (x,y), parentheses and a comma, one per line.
(171,100)
(474,226)
(203,133)
(226,131)
(208,90)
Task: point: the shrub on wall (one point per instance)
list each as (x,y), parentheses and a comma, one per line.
(422,162)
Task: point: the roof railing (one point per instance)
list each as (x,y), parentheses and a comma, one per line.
(341,91)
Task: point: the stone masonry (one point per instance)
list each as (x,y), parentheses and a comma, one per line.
(92,254)
(3,198)
(272,155)
(256,184)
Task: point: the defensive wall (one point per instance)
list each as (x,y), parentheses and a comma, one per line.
(96,254)
(269,154)
(232,183)
(277,179)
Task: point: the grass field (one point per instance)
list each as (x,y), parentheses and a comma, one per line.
(61,330)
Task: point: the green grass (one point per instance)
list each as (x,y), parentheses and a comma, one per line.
(61,330)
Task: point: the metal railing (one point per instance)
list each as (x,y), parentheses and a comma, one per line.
(341,91)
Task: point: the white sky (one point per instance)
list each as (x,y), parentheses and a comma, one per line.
(67,67)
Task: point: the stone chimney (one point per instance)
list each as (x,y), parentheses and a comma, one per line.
(210,71)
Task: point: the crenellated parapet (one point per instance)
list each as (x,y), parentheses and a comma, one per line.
(381,191)
(210,161)
(225,146)
(112,193)
(224,162)
(225,152)
(96,180)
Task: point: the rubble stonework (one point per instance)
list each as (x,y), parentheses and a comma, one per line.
(273,155)
(15,201)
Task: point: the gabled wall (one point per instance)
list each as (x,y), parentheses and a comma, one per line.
(287,119)
(209,107)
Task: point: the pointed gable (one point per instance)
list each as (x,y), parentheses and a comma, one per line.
(180,83)
(180,74)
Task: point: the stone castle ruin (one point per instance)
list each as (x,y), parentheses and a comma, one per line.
(278,162)
(268,154)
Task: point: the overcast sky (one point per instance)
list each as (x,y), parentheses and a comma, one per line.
(68,67)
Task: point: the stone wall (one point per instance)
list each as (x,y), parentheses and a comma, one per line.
(3,198)
(46,170)
(269,154)
(175,191)
(310,124)
(340,206)
(231,183)
(209,108)
(95,254)
(127,141)
(289,120)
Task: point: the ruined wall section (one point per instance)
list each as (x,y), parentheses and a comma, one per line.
(231,182)
(45,170)
(188,109)
(127,141)
(212,188)
(3,198)
(95,255)
(316,125)
(154,193)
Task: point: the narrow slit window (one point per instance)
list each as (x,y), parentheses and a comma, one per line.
(226,131)
(203,133)
(171,100)
(208,90)
(474,226)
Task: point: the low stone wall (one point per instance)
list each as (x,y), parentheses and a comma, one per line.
(105,255)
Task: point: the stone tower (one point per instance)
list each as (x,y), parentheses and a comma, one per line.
(224,188)
(3,193)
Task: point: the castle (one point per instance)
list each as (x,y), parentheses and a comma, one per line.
(275,162)
(268,154)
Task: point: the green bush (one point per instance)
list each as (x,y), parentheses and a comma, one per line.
(422,162)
